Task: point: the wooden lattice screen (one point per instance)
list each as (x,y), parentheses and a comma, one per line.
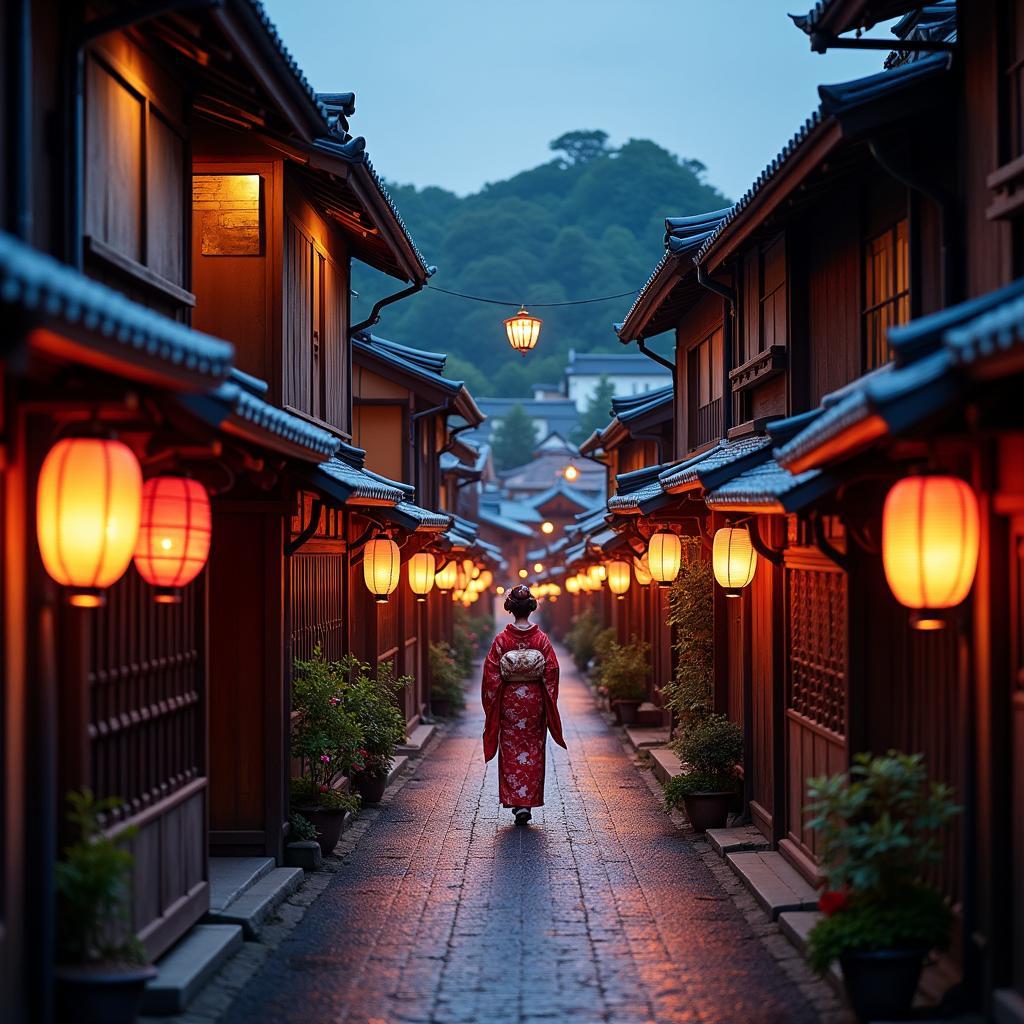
(317,605)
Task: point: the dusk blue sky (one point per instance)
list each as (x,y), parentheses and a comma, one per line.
(461,92)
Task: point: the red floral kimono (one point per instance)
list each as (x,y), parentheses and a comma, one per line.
(519,716)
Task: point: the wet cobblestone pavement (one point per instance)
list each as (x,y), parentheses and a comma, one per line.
(600,911)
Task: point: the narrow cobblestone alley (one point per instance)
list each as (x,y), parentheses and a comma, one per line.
(599,911)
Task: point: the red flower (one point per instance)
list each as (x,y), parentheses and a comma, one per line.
(831,902)
(324,789)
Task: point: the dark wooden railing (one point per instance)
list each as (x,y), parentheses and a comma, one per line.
(705,423)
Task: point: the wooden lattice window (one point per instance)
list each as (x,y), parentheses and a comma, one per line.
(706,375)
(817,647)
(886,290)
(317,605)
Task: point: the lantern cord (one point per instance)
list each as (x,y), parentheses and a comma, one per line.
(531,305)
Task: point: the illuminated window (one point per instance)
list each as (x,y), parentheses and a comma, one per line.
(886,290)
(228,210)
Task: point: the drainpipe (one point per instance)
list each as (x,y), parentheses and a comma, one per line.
(642,345)
(374,317)
(729,294)
(943,204)
(20,86)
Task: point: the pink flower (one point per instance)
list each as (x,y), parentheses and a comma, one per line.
(324,789)
(334,701)
(325,759)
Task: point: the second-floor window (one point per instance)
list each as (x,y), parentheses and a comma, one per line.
(886,290)
(705,372)
(764,300)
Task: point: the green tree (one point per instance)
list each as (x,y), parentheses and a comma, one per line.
(514,438)
(598,412)
(580,147)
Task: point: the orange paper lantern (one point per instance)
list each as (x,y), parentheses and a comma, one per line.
(174,534)
(523,331)
(664,556)
(381,563)
(421,574)
(87,515)
(930,540)
(446,577)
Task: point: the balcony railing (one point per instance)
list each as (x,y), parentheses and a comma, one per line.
(705,423)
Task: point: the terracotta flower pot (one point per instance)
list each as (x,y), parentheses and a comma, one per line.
(625,711)
(101,994)
(329,823)
(370,787)
(708,810)
(880,985)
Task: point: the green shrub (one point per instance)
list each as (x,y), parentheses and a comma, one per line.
(304,792)
(372,699)
(301,829)
(689,695)
(446,680)
(93,883)
(879,827)
(581,638)
(695,782)
(625,669)
(712,748)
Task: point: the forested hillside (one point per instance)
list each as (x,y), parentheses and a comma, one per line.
(589,222)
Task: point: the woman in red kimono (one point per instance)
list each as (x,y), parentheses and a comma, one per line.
(520,715)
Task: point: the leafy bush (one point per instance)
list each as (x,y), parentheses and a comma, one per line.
(301,829)
(879,827)
(445,677)
(625,669)
(93,881)
(582,637)
(689,695)
(695,782)
(306,793)
(371,698)
(470,636)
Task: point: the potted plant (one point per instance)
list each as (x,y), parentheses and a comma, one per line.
(103,968)
(711,751)
(446,692)
(878,828)
(623,672)
(327,738)
(371,698)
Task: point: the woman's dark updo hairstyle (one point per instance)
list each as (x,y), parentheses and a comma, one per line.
(520,601)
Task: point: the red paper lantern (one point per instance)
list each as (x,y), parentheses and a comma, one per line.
(174,535)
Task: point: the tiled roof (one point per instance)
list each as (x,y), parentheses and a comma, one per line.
(612,364)
(427,366)
(559,489)
(637,407)
(989,336)
(770,487)
(716,465)
(58,295)
(350,485)
(416,519)
(631,501)
(239,397)
(501,522)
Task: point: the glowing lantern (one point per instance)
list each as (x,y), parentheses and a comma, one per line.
(523,574)
(930,539)
(381,564)
(174,534)
(470,597)
(572,584)
(523,331)
(538,566)
(664,554)
(87,515)
(554,590)
(619,577)
(457,595)
(486,579)
(446,577)
(535,592)
(421,571)
(570,473)
(641,571)
(733,559)
(461,579)
(499,591)
(470,569)
(598,574)
(547,527)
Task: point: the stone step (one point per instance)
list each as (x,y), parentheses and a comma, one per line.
(643,737)
(187,966)
(773,882)
(252,907)
(231,876)
(417,739)
(400,761)
(736,840)
(665,764)
(796,925)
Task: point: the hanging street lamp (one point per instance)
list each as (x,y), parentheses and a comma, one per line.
(547,527)
(174,535)
(598,574)
(664,556)
(733,559)
(381,562)
(523,331)
(421,572)
(930,541)
(446,577)
(571,473)
(572,584)
(88,502)
(619,578)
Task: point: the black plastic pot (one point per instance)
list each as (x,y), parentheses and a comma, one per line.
(329,823)
(880,985)
(104,994)
(708,810)
(370,787)
(625,711)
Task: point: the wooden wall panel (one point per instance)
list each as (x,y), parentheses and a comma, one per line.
(379,429)
(335,344)
(165,202)
(316,598)
(297,354)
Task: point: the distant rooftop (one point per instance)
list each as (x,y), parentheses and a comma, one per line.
(613,364)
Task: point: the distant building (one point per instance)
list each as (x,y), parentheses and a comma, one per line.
(551,416)
(630,374)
